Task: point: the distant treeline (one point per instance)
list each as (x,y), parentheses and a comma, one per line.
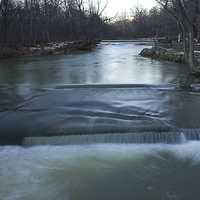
(143,23)
(30,22)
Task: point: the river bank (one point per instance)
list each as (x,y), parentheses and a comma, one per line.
(161,53)
(167,54)
(49,49)
(173,55)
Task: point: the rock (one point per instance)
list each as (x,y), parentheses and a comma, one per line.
(159,50)
(147,52)
(160,53)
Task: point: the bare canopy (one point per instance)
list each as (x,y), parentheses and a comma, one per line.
(186,13)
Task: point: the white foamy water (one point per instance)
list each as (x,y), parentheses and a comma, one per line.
(94,172)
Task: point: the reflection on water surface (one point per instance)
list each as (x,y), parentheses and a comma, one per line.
(111,62)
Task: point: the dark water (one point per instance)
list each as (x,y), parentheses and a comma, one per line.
(65,111)
(110,63)
(35,101)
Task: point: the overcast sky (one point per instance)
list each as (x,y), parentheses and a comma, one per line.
(115,6)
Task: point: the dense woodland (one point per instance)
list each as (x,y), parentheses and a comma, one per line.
(35,21)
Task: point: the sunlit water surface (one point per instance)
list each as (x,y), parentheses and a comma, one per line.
(111,62)
(96,172)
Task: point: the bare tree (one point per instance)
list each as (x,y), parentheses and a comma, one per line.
(184,12)
(5,11)
(30,22)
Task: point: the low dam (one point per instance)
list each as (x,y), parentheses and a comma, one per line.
(136,110)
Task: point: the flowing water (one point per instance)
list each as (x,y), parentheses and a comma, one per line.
(75,111)
(96,172)
(98,127)
(110,63)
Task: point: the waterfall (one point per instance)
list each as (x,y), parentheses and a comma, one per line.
(176,137)
(183,138)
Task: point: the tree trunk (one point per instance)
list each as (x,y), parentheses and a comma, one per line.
(188,47)
(185,46)
(191,51)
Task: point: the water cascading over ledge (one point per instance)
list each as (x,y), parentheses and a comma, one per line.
(87,114)
(177,137)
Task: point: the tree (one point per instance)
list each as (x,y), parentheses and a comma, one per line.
(5,12)
(185,13)
(29,22)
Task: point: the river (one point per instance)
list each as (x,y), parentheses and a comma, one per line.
(96,172)
(110,63)
(127,100)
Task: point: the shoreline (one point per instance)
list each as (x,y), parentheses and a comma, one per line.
(163,54)
(176,56)
(53,48)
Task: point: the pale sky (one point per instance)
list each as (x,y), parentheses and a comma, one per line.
(119,6)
